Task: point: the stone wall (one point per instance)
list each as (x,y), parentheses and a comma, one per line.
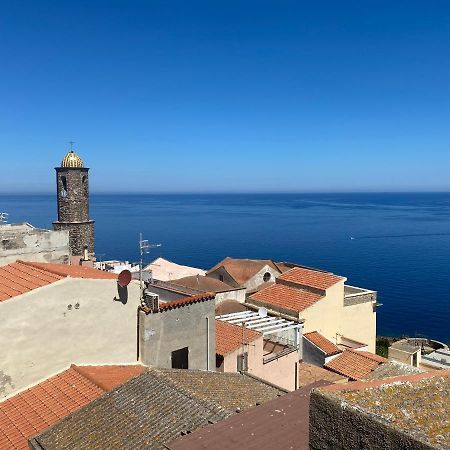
(72,186)
(334,426)
(80,235)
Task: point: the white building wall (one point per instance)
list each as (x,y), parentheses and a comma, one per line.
(40,334)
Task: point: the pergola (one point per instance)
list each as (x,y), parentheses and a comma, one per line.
(265,325)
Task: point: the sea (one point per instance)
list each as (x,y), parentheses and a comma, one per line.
(395,243)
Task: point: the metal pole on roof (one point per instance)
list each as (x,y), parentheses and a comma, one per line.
(144,248)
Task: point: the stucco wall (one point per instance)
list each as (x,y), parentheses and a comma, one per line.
(312,354)
(255,358)
(237,295)
(70,321)
(282,371)
(162,333)
(34,245)
(331,318)
(333,427)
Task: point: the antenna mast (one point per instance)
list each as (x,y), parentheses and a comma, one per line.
(144,248)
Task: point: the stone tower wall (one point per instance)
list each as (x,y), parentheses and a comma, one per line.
(81,234)
(72,186)
(74,207)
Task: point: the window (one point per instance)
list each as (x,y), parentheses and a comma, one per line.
(84,183)
(267,276)
(64,186)
(221,278)
(180,358)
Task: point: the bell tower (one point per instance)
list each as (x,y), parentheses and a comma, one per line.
(72,187)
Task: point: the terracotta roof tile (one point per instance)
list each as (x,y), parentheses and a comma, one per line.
(33,410)
(109,377)
(286,297)
(241,270)
(185,301)
(230,337)
(355,364)
(66,270)
(23,276)
(154,408)
(308,374)
(323,343)
(203,284)
(310,277)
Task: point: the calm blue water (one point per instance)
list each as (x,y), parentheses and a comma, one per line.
(401,246)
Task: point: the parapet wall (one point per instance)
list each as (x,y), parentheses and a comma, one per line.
(34,245)
(335,425)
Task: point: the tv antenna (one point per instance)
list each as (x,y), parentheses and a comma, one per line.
(144,248)
(4,217)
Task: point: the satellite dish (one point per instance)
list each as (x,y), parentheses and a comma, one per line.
(262,312)
(124,278)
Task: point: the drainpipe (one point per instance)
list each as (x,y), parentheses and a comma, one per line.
(207,343)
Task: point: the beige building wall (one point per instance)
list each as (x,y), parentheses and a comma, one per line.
(255,358)
(70,321)
(282,371)
(237,295)
(359,322)
(332,319)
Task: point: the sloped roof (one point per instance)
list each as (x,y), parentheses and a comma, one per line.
(282,423)
(165,270)
(33,410)
(310,277)
(109,377)
(202,283)
(355,364)
(154,409)
(179,303)
(323,343)
(243,269)
(308,374)
(286,297)
(231,337)
(66,270)
(21,277)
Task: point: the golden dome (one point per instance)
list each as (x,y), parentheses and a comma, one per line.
(72,160)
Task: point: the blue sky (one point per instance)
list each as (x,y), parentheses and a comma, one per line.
(229,96)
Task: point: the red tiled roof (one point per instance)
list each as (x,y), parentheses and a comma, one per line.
(323,343)
(109,377)
(286,297)
(241,270)
(310,277)
(33,410)
(230,337)
(185,301)
(23,276)
(73,271)
(355,364)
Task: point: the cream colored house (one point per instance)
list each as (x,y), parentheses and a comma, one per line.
(325,304)
(53,315)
